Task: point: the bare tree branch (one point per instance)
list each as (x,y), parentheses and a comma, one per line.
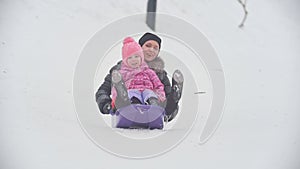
(199,92)
(245,12)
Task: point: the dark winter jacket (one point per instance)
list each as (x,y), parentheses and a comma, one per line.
(103,94)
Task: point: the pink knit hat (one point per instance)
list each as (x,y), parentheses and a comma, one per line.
(131,47)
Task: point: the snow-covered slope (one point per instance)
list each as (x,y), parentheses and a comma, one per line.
(40,42)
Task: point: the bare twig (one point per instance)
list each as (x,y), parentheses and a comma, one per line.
(245,12)
(199,92)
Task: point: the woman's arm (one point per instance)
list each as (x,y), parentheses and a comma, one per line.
(103,98)
(165,81)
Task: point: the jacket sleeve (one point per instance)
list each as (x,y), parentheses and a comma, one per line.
(158,86)
(165,81)
(104,91)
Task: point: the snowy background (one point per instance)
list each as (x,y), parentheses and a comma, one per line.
(40,42)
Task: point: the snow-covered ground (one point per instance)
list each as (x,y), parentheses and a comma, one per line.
(41,41)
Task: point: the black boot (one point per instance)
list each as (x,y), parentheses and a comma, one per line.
(168,118)
(122,99)
(135,100)
(177,84)
(153,101)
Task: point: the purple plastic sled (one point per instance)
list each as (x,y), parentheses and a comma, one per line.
(139,116)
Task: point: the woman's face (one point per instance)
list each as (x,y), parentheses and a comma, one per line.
(151,50)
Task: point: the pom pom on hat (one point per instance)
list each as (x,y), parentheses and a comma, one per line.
(128,40)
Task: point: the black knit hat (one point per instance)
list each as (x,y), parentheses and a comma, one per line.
(149,36)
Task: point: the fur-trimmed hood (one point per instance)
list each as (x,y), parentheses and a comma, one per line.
(158,65)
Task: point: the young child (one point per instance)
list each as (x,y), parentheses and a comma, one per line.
(143,85)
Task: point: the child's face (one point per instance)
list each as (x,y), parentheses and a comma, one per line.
(134,61)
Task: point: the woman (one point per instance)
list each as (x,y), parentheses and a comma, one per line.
(151,45)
